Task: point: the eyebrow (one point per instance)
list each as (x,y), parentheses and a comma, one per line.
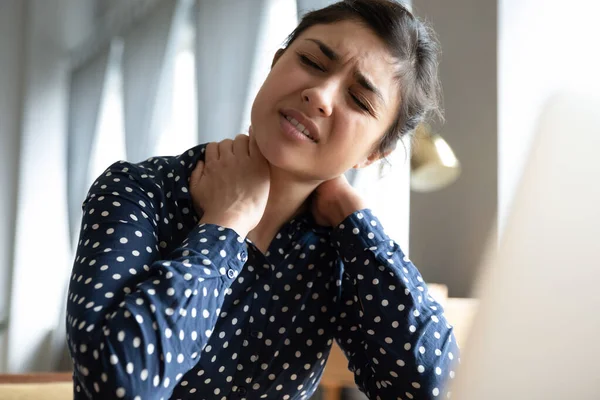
(367,84)
(328,51)
(360,78)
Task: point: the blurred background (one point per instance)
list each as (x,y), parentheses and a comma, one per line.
(84,83)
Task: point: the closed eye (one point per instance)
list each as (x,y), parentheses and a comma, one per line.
(359,103)
(307,61)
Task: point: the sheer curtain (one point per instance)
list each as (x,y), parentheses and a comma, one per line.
(227,33)
(41,235)
(109,141)
(86,91)
(180,132)
(148,63)
(124,89)
(87,84)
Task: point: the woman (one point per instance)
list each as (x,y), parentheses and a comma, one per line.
(228,271)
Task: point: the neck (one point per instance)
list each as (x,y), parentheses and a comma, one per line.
(287,198)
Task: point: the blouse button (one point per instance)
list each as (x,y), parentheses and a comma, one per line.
(231,273)
(241,391)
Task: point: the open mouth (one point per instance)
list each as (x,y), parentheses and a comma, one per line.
(300,128)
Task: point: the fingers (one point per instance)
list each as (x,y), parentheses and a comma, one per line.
(225,148)
(212,152)
(240,145)
(253,149)
(216,151)
(252,146)
(196,174)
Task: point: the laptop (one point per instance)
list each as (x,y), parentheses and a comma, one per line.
(537,332)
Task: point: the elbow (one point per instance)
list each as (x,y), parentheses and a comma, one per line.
(99,371)
(98,382)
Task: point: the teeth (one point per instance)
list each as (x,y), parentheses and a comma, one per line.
(301,128)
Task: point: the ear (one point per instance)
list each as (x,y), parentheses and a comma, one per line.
(371,159)
(277,56)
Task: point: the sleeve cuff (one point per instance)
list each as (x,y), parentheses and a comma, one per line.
(219,244)
(358,231)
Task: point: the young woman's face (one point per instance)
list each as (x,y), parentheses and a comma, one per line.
(338,82)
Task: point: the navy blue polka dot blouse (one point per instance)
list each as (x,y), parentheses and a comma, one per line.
(161,307)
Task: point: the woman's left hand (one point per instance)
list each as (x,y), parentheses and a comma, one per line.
(334,200)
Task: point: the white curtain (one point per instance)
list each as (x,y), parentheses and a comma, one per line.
(87,84)
(148,63)
(86,90)
(227,34)
(38,268)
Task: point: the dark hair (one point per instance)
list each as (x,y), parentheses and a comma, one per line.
(409,40)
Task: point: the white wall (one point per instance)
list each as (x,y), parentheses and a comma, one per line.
(543,45)
(449,229)
(12,14)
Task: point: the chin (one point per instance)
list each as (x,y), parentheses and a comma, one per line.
(280,156)
(280,153)
(283,158)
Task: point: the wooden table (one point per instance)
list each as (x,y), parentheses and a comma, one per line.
(36,386)
(42,377)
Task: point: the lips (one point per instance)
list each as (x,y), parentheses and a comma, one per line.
(302,123)
(300,128)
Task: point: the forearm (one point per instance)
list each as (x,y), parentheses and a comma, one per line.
(141,341)
(234,222)
(392,329)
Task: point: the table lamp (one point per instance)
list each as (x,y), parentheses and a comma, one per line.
(433,164)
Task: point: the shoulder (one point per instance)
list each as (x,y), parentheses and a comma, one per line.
(154,178)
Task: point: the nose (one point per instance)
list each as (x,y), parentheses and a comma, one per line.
(319,100)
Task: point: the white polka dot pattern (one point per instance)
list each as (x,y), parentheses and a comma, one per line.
(161,307)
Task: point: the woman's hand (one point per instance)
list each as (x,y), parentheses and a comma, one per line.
(334,200)
(232,185)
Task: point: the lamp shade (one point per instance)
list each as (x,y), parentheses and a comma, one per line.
(433,164)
